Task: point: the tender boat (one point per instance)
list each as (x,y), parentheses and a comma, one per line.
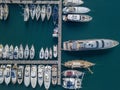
(26,13)
(91,44)
(55,32)
(50,53)
(67,10)
(55,51)
(32,52)
(46,53)
(21,51)
(26,52)
(11,51)
(47,77)
(72,2)
(55,14)
(40,74)
(27,76)
(42,53)
(14,74)
(54,74)
(33,76)
(1,12)
(16,53)
(32,11)
(77,18)
(1,74)
(49,11)
(20,74)
(1,50)
(6,11)
(38,12)
(7,74)
(5,52)
(43,12)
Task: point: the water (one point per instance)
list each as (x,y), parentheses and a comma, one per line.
(105,24)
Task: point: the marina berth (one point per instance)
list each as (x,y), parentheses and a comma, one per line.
(72,2)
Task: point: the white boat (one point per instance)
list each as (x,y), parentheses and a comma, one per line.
(67,10)
(54,74)
(47,77)
(27,76)
(50,53)
(20,74)
(7,74)
(32,52)
(5,52)
(55,51)
(14,74)
(1,12)
(38,12)
(49,11)
(72,2)
(15,54)
(33,76)
(6,12)
(40,74)
(42,53)
(26,52)
(32,11)
(26,13)
(1,74)
(46,53)
(21,51)
(55,32)
(11,51)
(1,50)
(43,12)
(77,18)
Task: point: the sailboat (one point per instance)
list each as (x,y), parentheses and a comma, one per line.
(50,53)
(27,76)
(1,74)
(14,73)
(1,50)
(54,74)
(6,11)
(21,52)
(41,53)
(43,12)
(1,12)
(40,74)
(55,14)
(11,51)
(38,12)
(32,11)
(46,53)
(55,51)
(49,11)
(32,52)
(15,54)
(26,52)
(26,13)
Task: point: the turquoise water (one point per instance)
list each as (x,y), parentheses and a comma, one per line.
(105,24)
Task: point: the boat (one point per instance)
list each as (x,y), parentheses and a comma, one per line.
(67,10)
(50,53)
(27,76)
(47,77)
(32,52)
(1,74)
(79,64)
(55,51)
(32,11)
(91,44)
(26,13)
(16,52)
(46,53)
(43,12)
(72,73)
(40,74)
(49,11)
(26,52)
(38,12)
(7,74)
(72,2)
(55,32)
(77,18)
(1,12)
(55,14)
(1,50)
(6,11)
(5,53)
(21,51)
(54,74)
(42,53)
(14,73)
(20,74)
(33,76)
(11,51)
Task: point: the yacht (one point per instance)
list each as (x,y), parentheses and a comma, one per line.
(1,50)
(50,53)
(21,51)
(91,44)
(42,53)
(32,52)
(55,14)
(55,51)
(26,13)
(14,73)
(47,77)
(54,74)
(26,52)
(49,11)
(72,2)
(32,11)
(20,74)
(1,12)
(1,74)
(55,32)
(33,76)
(77,18)
(67,10)
(27,76)
(46,53)
(40,74)
(38,12)
(6,11)
(15,54)
(11,51)
(43,12)
(5,53)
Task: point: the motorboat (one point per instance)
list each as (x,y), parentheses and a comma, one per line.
(1,12)
(49,11)
(46,53)
(40,74)
(38,12)
(26,13)
(1,50)
(26,52)
(15,54)
(32,52)
(47,77)
(54,74)
(27,76)
(77,18)
(72,2)
(55,49)
(43,12)
(20,74)
(6,11)
(11,52)
(21,51)
(5,53)
(14,73)
(55,14)
(33,76)
(55,32)
(81,10)
(32,11)
(91,44)
(42,53)
(50,53)
(1,74)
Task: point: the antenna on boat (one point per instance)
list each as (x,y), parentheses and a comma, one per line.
(90,70)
